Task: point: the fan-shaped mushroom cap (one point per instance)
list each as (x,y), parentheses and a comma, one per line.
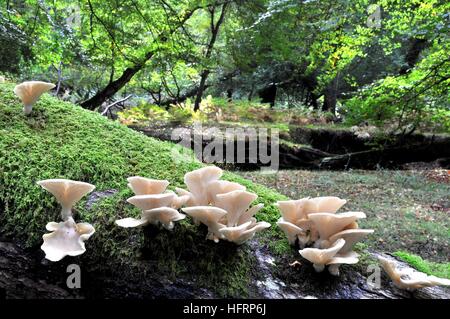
(410,279)
(67,239)
(328,224)
(235,203)
(222,187)
(197,182)
(328,204)
(29,92)
(66,192)
(207,215)
(291,230)
(292,210)
(351,236)
(179,201)
(321,257)
(130,222)
(164,215)
(240,234)
(147,202)
(248,215)
(146,186)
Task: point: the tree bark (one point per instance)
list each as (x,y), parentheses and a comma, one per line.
(330,96)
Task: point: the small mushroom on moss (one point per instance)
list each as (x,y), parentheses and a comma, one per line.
(209,216)
(2,79)
(408,278)
(29,92)
(66,238)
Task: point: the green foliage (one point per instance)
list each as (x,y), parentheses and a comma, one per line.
(441,270)
(143,114)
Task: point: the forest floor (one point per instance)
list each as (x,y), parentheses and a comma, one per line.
(409,209)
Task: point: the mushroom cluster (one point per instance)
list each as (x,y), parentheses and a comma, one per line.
(314,222)
(223,206)
(408,278)
(29,92)
(67,237)
(158,206)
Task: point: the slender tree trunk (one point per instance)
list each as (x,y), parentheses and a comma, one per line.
(330,96)
(214,32)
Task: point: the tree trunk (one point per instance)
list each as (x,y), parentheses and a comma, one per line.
(330,96)
(214,32)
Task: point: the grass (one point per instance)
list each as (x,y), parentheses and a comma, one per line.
(441,270)
(406,210)
(61,140)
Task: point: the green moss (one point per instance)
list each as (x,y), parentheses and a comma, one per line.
(431,268)
(62,140)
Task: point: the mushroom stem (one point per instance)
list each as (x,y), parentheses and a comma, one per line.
(318,268)
(27,109)
(66,213)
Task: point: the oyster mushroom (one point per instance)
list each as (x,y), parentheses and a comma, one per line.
(66,192)
(328,224)
(408,278)
(329,256)
(66,238)
(242,233)
(29,92)
(165,216)
(236,203)
(146,186)
(209,216)
(292,231)
(351,237)
(327,204)
(197,183)
(147,202)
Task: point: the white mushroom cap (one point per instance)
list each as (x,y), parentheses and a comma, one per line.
(240,234)
(222,187)
(66,192)
(29,92)
(130,222)
(410,279)
(67,239)
(351,237)
(291,230)
(207,215)
(146,186)
(235,203)
(248,215)
(2,79)
(328,204)
(292,210)
(164,215)
(321,257)
(328,224)
(197,183)
(179,201)
(147,202)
